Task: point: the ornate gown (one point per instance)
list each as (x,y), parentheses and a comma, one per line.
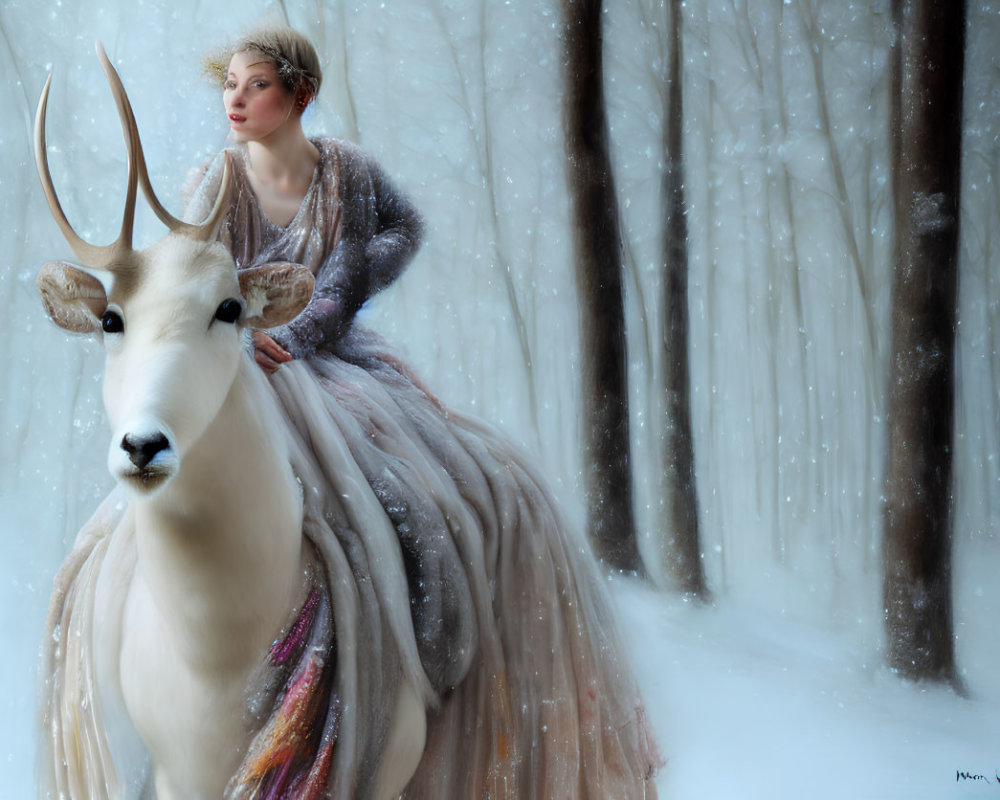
(439,553)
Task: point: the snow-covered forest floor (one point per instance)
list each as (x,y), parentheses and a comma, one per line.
(749,700)
(777,689)
(768,700)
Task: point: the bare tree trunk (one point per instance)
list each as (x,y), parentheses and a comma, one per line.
(680,492)
(927,140)
(598,259)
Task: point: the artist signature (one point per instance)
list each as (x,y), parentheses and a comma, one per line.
(977,777)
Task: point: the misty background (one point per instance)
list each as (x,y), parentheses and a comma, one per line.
(778,687)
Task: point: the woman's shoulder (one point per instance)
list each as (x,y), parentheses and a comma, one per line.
(203,180)
(237,154)
(211,167)
(331,144)
(348,154)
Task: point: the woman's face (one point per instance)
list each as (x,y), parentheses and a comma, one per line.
(256,101)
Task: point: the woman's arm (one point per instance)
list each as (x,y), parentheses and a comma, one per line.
(381,231)
(335,300)
(399,231)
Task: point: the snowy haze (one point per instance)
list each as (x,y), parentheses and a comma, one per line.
(777,689)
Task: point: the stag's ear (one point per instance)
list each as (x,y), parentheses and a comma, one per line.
(74,299)
(275,293)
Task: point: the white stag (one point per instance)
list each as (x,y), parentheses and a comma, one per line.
(217,514)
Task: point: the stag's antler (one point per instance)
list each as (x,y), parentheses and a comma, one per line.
(91,255)
(102,257)
(201,231)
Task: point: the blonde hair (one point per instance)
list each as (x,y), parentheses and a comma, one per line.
(292,54)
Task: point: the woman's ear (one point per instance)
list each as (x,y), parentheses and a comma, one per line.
(303,95)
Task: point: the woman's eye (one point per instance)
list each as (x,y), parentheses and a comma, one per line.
(229,311)
(112,322)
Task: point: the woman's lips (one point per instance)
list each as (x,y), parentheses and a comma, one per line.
(236,118)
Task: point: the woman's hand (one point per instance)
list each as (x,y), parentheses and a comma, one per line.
(268,354)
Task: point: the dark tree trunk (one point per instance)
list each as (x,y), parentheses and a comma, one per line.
(927,144)
(680,492)
(598,257)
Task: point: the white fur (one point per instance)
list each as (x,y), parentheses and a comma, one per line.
(217,518)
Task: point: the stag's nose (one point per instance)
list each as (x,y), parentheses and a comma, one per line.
(143,449)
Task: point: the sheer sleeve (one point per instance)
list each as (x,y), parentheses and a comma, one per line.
(201,188)
(399,230)
(328,313)
(380,232)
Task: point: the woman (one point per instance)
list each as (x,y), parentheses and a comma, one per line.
(505,632)
(321,203)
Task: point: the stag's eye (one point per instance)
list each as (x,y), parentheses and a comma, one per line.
(112,322)
(229,311)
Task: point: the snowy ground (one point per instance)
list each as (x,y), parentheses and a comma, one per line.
(749,700)
(756,702)
(773,693)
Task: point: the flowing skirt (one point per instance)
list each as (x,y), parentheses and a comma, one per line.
(441,558)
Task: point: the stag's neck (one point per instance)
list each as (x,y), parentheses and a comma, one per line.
(220,548)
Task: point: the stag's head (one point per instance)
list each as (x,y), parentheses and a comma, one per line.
(171,316)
